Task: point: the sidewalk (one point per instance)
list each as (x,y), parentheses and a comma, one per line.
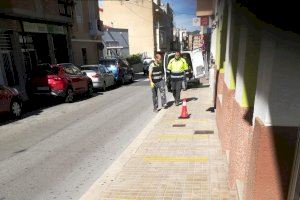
(166,162)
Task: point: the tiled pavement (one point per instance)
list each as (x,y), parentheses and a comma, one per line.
(166,162)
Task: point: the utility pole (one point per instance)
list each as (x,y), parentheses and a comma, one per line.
(157,37)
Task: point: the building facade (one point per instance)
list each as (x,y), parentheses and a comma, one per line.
(116,43)
(194,41)
(176,42)
(53,31)
(86,33)
(31,33)
(183,40)
(256,98)
(149,24)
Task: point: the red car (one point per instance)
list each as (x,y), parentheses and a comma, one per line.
(10,101)
(61,80)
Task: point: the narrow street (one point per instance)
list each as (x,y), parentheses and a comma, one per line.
(59,152)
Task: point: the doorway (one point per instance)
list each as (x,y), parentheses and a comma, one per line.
(60,48)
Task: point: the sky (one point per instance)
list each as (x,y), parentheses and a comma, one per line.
(184,12)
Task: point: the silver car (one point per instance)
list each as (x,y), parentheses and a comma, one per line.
(100,75)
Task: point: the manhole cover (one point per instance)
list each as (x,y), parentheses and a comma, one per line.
(178,125)
(204,132)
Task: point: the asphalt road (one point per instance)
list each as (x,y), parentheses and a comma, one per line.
(58,152)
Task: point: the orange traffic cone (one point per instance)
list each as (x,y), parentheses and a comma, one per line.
(184,112)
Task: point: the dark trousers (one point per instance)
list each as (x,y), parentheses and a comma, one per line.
(176,89)
(161,87)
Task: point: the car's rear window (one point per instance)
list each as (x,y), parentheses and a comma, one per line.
(66,64)
(108,62)
(94,68)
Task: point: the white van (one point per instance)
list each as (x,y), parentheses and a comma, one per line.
(195,62)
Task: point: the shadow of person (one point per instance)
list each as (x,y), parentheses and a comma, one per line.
(191,99)
(169,104)
(211,109)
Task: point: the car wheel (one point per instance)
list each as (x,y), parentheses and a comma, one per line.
(69,96)
(16,109)
(114,85)
(90,89)
(104,86)
(123,81)
(131,79)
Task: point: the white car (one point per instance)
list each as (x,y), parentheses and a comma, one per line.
(146,64)
(100,75)
(195,63)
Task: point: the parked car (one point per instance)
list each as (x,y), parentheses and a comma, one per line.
(120,69)
(61,80)
(146,63)
(195,63)
(10,101)
(100,75)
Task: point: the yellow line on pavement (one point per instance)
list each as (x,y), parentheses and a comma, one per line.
(176,159)
(184,121)
(177,136)
(135,198)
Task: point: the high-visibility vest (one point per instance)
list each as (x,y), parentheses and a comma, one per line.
(177,68)
(157,73)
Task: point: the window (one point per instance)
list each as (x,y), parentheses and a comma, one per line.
(106,70)
(69,70)
(78,10)
(65,7)
(76,70)
(102,70)
(108,62)
(90,67)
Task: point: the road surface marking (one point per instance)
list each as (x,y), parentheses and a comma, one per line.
(176,159)
(177,136)
(174,121)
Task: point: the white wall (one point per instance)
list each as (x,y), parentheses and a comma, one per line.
(213,43)
(229,43)
(278,89)
(285,89)
(265,66)
(241,64)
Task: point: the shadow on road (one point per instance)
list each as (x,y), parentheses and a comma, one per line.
(37,105)
(191,99)
(139,80)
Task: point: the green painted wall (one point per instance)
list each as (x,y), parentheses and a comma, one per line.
(234,56)
(251,68)
(223,37)
(218,44)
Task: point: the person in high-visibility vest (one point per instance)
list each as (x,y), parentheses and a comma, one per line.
(176,70)
(157,82)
